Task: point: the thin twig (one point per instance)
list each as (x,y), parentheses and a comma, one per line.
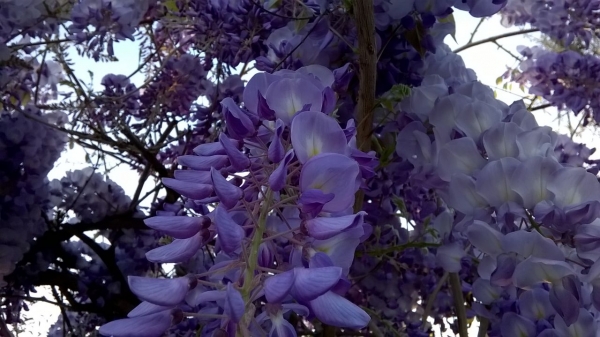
(495,38)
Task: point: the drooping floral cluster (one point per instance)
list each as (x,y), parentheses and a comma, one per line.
(28,150)
(566,79)
(565,21)
(284,224)
(525,217)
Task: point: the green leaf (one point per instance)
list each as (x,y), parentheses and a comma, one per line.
(88,159)
(450,19)
(415,36)
(499,80)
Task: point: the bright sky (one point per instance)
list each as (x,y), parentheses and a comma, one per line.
(487,60)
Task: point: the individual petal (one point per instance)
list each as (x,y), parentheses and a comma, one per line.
(282,328)
(275,152)
(204,163)
(256,86)
(309,283)
(446,110)
(188,189)
(234,304)
(477,117)
(587,240)
(239,125)
(485,238)
(485,292)
(500,141)
(168,292)
(279,175)
(422,98)
(238,160)
(322,73)
(536,270)
(177,251)
(530,180)
(179,227)
(516,325)
(505,268)
(565,300)
(585,326)
(228,193)
(493,182)
(333,309)
(540,141)
(337,248)
(323,228)
(289,96)
(574,186)
(154,325)
(146,308)
(482,8)
(209,149)
(332,173)
(413,144)
(278,286)
(463,196)
(193,176)
(448,256)
(459,156)
(312,201)
(230,234)
(531,243)
(314,132)
(535,304)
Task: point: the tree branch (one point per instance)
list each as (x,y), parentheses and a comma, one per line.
(494,38)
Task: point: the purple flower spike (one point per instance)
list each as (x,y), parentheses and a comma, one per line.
(314,132)
(332,173)
(188,189)
(169,292)
(179,227)
(228,194)
(230,234)
(154,325)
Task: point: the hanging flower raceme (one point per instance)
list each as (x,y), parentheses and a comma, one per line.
(529,219)
(282,181)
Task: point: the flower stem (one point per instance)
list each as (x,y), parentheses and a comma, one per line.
(254,247)
(459,302)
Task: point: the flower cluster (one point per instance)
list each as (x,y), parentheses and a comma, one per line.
(565,21)
(28,150)
(567,79)
(284,177)
(528,220)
